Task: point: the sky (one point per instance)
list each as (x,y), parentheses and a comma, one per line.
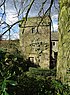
(11,15)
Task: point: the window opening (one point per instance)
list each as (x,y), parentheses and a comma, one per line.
(31,59)
(53,43)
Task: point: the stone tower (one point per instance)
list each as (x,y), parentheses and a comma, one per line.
(35,40)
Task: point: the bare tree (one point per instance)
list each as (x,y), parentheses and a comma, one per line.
(22,8)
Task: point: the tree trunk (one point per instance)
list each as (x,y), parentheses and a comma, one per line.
(63,64)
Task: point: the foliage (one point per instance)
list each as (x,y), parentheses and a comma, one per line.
(12,65)
(35,72)
(40,86)
(7,64)
(20,77)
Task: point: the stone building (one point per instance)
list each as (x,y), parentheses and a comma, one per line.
(35,40)
(54,48)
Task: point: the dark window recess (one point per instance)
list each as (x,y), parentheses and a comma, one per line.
(53,43)
(41,43)
(33,30)
(31,59)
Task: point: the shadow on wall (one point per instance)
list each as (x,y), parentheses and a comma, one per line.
(53,61)
(31,64)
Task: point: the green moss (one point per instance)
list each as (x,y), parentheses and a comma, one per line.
(64,41)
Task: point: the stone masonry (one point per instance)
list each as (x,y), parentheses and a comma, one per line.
(35,40)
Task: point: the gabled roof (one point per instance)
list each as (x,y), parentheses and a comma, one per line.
(54,36)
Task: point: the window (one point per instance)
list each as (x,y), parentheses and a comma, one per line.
(31,59)
(53,43)
(33,29)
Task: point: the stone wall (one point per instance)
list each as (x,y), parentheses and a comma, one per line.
(35,41)
(10,45)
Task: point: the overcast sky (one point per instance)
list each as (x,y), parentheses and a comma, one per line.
(12,12)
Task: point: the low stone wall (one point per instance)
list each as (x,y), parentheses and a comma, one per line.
(10,45)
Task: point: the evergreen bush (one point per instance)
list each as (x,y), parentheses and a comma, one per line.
(20,77)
